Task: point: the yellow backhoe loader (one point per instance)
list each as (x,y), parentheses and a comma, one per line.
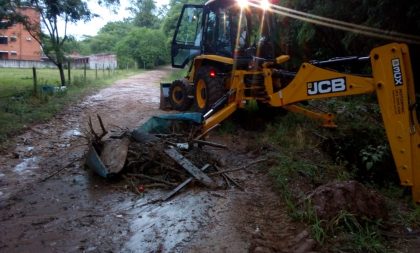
(233,60)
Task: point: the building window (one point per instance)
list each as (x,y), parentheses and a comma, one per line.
(4,55)
(13,53)
(13,38)
(4,24)
(3,40)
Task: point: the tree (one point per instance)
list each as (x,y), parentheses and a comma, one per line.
(109,35)
(118,28)
(303,40)
(72,45)
(103,43)
(70,11)
(51,41)
(144,46)
(3,9)
(143,11)
(7,14)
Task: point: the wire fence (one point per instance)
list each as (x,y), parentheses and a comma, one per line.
(17,81)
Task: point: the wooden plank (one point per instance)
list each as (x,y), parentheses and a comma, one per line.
(191,168)
(206,132)
(230,179)
(182,185)
(217,145)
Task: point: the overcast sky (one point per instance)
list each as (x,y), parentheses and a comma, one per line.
(106,15)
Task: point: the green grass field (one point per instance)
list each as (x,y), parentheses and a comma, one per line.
(14,81)
(20,106)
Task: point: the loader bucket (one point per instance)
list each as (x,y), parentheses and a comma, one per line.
(164,96)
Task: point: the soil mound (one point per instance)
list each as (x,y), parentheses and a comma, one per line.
(351,196)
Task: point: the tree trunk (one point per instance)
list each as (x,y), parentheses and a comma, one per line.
(62,77)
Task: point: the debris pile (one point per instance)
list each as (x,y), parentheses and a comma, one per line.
(163,152)
(165,161)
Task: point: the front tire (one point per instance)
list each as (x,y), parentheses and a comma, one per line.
(178,95)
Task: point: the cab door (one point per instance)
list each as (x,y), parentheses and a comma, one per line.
(187,40)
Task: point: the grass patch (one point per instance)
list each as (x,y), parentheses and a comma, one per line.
(306,158)
(227,127)
(16,81)
(22,107)
(344,233)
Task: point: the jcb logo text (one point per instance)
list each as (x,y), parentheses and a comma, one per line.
(327,86)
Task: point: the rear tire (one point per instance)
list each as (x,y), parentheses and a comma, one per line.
(207,89)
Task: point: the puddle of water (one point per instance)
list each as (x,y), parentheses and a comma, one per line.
(92,99)
(26,164)
(164,227)
(4,194)
(76,132)
(71,133)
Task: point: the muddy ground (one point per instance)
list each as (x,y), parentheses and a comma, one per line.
(50,203)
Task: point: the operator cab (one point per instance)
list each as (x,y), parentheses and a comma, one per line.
(224,29)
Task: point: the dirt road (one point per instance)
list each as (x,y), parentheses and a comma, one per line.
(50,203)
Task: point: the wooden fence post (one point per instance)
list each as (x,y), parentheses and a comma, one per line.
(68,72)
(96,71)
(35,80)
(84,72)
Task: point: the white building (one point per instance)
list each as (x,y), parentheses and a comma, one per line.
(103,61)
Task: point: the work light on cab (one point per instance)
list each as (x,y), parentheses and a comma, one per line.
(243,3)
(265,4)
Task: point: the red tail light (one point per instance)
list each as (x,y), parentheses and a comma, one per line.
(212,73)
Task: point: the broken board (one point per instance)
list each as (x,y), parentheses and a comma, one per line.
(182,185)
(191,168)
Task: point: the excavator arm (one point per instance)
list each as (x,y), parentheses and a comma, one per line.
(394,85)
(392,81)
